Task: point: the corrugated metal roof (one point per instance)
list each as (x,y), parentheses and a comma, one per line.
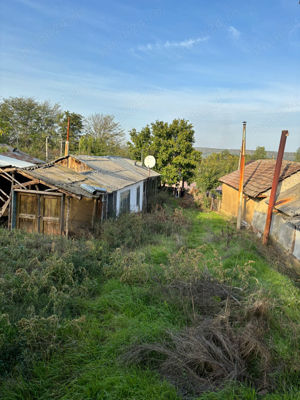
(8,161)
(114,173)
(19,155)
(288,201)
(62,178)
(114,164)
(259,175)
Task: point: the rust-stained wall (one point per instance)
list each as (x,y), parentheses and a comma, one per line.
(74,164)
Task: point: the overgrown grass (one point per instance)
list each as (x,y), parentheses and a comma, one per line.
(65,327)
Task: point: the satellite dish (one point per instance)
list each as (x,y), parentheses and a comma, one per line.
(149,161)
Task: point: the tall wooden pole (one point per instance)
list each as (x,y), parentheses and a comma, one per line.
(241,183)
(272,199)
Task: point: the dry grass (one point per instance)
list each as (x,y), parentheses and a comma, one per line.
(204,356)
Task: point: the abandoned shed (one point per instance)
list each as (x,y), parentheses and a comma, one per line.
(258,180)
(128,183)
(51,199)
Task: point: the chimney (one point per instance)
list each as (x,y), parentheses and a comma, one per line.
(67,142)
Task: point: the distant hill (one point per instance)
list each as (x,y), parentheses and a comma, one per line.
(206,151)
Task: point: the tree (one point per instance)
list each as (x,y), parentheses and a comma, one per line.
(103,136)
(76,128)
(25,123)
(297,155)
(171,145)
(259,154)
(214,167)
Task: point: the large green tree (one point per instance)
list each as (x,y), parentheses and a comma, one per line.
(210,169)
(103,136)
(297,155)
(76,129)
(259,154)
(172,147)
(25,123)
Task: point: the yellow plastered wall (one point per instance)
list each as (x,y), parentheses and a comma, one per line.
(229,200)
(230,203)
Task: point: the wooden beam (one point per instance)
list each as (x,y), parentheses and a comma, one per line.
(4,207)
(5,194)
(94,213)
(12,178)
(67,193)
(29,183)
(37,192)
(68,214)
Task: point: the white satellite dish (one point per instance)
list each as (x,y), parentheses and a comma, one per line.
(149,161)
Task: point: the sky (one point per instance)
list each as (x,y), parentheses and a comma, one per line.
(214,63)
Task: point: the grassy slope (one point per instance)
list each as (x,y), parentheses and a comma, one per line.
(88,368)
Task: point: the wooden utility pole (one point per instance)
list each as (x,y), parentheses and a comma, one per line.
(241,184)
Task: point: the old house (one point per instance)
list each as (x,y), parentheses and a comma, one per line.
(128,183)
(258,181)
(51,199)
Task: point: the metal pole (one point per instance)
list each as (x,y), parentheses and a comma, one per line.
(241,183)
(278,165)
(47,150)
(67,142)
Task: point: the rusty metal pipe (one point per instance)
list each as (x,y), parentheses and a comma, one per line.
(67,142)
(241,183)
(278,165)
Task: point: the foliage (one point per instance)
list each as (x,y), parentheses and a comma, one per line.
(103,136)
(259,154)
(76,127)
(172,147)
(69,343)
(213,167)
(26,122)
(297,155)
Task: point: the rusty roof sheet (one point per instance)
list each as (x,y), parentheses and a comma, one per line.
(19,155)
(114,164)
(62,178)
(8,161)
(288,201)
(114,173)
(258,176)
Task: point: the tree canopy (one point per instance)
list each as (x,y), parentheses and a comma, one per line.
(172,147)
(26,123)
(103,136)
(297,155)
(259,154)
(213,167)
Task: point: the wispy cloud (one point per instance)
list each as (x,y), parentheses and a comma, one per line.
(234,32)
(187,44)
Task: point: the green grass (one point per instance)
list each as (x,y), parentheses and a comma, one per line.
(87,362)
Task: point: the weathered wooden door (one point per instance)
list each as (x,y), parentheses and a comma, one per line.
(39,213)
(27,212)
(50,215)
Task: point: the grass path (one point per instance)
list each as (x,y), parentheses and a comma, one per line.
(88,368)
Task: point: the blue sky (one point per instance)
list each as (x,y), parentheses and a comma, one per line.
(214,63)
